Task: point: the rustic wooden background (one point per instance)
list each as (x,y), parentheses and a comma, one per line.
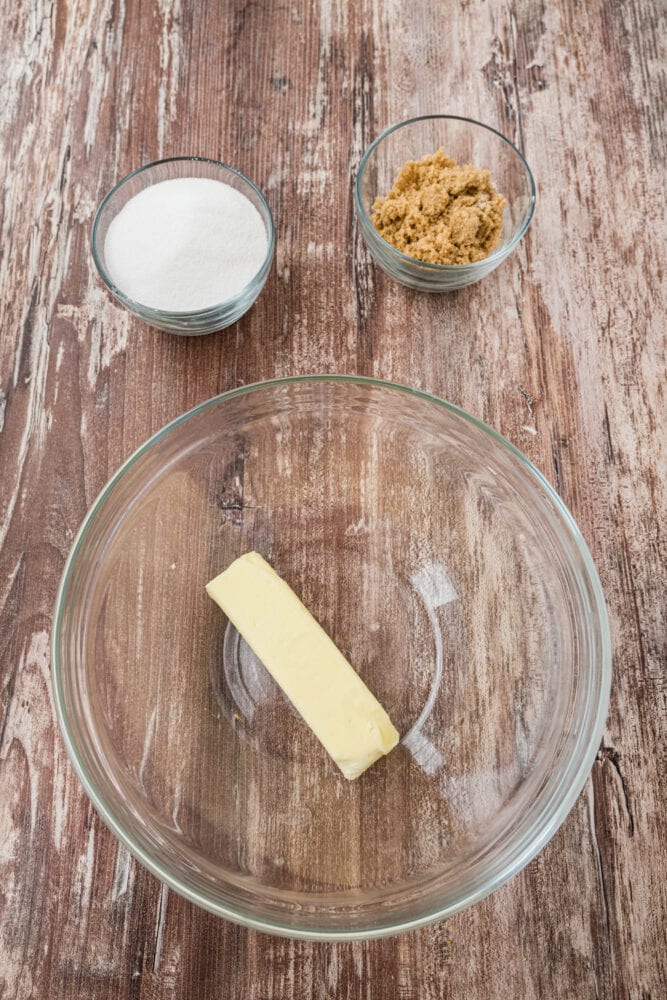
(562,349)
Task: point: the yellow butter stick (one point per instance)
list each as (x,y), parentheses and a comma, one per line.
(347,719)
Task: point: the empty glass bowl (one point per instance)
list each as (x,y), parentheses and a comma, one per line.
(466,141)
(443,566)
(215,317)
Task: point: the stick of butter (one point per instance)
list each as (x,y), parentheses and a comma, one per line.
(347,719)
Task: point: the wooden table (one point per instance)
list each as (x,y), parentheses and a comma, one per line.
(562,350)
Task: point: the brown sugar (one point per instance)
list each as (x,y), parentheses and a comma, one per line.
(440,212)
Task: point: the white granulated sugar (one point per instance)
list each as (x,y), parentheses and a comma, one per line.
(185,244)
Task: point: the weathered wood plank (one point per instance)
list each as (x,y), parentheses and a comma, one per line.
(562,349)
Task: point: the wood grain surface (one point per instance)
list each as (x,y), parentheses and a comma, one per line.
(562,349)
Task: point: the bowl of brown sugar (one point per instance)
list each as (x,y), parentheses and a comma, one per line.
(442,201)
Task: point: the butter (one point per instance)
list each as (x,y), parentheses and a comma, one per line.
(347,719)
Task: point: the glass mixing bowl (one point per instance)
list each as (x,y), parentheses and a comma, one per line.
(201,321)
(444,567)
(467,141)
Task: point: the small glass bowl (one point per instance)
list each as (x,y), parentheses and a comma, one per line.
(201,321)
(466,141)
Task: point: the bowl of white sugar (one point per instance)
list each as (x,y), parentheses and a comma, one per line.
(185,244)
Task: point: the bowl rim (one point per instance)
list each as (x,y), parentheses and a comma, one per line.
(497,255)
(554,811)
(149,312)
